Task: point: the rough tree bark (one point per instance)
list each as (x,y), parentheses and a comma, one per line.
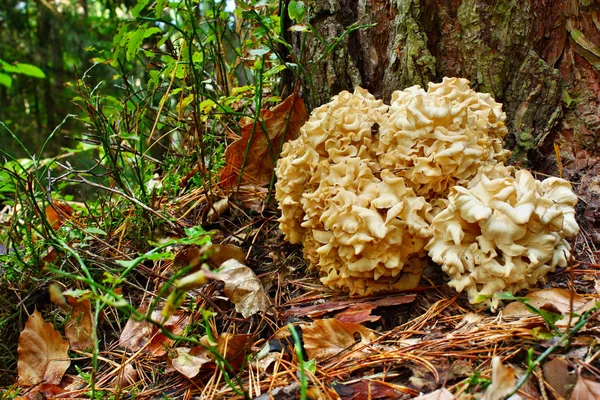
(540,58)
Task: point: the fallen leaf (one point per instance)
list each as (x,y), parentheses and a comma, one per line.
(440,394)
(127,377)
(586,390)
(57,213)
(219,253)
(367,389)
(43,353)
(216,210)
(358,313)
(282,123)
(289,392)
(234,348)
(251,197)
(43,391)
(503,381)
(324,308)
(556,374)
(243,288)
(325,338)
(216,254)
(79,328)
(555,300)
(467,324)
(187,364)
(139,335)
(428,377)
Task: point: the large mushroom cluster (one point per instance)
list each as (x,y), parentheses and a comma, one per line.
(369,190)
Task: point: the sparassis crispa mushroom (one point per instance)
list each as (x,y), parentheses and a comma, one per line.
(504,234)
(365,188)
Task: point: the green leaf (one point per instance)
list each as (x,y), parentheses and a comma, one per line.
(159,7)
(135,42)
(94,231)
(30,70)
(297,11)
(127,263)
(509,296)
(139,7)
(167,255)
(259,52)
(151,31)
(5,80)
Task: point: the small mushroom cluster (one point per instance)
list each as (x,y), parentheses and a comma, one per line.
(369,189)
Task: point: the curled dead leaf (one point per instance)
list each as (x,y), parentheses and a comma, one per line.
(216,210)
(282,123)
(57,213)
(43,353)
(503,381)
(188,364)
(243,288)
(139,335)
(325,338)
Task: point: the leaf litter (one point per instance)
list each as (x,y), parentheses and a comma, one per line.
(427,343)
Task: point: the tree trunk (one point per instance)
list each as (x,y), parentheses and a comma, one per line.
(540,58)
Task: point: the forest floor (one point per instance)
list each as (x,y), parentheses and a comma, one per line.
(232,338)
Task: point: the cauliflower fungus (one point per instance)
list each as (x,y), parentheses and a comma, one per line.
(369,189)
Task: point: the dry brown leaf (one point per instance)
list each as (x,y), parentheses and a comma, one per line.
(326,338)
(586,390)
(43,353)
(143,335)
(57,213)
(358,313)
(368,389)
(503,381)
(219,253)
(234,348)
(43,391)
(79,328)
(282,122)
(330,306)
(216,254)
(188,364)
(243,288)
(216,210)
(556,374)
(127,377)
(555,300)
(440,394)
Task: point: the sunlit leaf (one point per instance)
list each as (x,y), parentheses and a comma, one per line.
(5,80)
(296,10)
(282,123)
(29,70)
(139,7)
